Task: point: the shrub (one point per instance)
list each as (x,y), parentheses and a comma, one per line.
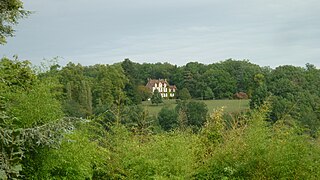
(196,113)
(258,150)
(163,156)
(168,118)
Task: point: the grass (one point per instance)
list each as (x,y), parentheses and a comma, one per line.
(230,105)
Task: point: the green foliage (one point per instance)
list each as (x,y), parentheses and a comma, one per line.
(16,75)
(89,90)
(136,119)
(259,96)
(295,96)
(10,12)
(256,150)
(184,94)
(124,142)
(164,156)
(208,94)
(214,128)
(221,82)
(35,107)
(196,113)
(156,98)
(168,118)
(15,144)
(131,88)
(144,92)
(242,72)
(27,99)
(77,158)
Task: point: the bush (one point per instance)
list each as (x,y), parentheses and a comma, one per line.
(196,113)
(261,151)
(164,156)
(168,118)
(77,158)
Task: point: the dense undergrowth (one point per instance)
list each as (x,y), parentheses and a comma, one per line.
(250,149)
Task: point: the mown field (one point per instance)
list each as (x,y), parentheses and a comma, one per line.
(229,105)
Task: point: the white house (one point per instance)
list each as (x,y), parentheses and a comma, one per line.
(166,90)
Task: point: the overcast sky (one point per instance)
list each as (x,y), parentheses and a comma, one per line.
(267,32)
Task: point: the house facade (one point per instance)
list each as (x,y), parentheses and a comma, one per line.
(165,89)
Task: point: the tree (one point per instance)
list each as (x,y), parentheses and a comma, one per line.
(184,94)
(10,12)
(29,116)
(156,97)
(144,92)
(25,97)
(220,82)
(168,118)
(132,73)
(196,113)
(242,72)
(260,92)
(208,94)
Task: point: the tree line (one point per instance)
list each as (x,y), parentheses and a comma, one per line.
(91,90)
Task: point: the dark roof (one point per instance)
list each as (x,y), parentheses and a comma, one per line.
(152,82)
(173,87)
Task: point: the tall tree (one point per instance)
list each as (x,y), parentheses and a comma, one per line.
(132,73)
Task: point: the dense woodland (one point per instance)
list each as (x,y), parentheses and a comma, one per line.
(87,122)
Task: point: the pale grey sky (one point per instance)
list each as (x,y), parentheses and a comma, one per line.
(267,32)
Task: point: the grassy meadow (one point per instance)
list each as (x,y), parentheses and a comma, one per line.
(229,105)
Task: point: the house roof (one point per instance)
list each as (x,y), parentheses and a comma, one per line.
(173,87)
(152,82)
